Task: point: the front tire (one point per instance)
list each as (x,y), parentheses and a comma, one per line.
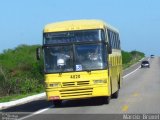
(116,94)
(108,100)
(57,103)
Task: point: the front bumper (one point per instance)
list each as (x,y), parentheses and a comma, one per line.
(77,93)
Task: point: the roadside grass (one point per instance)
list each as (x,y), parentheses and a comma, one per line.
(125,66)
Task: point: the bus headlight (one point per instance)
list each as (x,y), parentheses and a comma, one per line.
(99,81)
(51,85)
(54,84)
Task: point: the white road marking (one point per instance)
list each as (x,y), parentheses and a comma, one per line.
(131,72)
(35,113)
(134,70)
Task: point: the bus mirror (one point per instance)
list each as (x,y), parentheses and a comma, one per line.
(109,47)
(38,53)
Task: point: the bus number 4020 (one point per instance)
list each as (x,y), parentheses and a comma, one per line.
(75,76)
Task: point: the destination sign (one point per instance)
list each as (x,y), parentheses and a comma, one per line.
(73,36)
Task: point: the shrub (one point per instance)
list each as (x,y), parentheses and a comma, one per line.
(20,72)
(130,58)
(126,57)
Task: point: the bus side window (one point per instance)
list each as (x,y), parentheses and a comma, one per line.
(109,41)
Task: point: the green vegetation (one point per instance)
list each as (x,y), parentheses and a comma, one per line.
(129,58)
(22,75)
(20,72)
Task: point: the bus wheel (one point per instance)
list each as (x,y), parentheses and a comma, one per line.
(57,103)
(107,99)
(115,95)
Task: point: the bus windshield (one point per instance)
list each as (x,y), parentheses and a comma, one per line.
(73,36)
(84,58)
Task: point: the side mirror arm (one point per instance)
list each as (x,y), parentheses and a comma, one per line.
(109,48)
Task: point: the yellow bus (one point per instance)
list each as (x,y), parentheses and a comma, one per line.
(82,59)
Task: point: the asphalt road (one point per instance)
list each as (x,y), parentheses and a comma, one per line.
(140,94)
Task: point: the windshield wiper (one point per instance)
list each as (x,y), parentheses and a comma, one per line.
(61,69)
(89,71)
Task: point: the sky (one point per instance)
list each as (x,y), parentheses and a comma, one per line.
(138,21)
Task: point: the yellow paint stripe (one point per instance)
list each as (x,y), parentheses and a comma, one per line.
(135,94)
(125,108)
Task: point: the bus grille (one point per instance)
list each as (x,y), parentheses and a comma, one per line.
(75,93)
(72,84)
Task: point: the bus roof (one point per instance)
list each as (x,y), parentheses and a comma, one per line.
(77,25)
